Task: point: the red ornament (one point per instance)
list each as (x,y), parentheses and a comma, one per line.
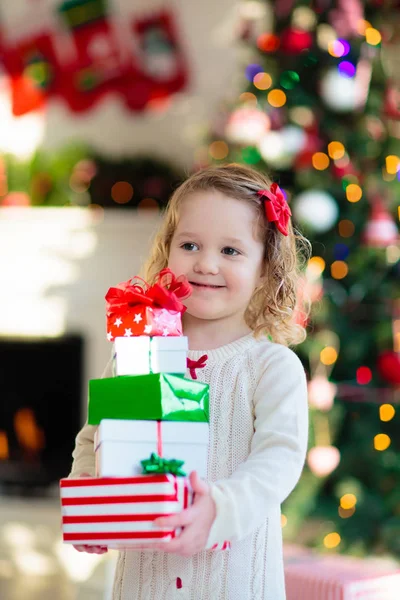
(381,230)
(389,367)
(294,41)
(392,101)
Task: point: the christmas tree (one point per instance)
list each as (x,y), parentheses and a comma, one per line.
(320,111)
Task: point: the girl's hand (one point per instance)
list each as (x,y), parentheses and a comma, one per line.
(86,547)
(196,521)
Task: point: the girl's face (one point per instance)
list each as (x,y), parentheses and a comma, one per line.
(216,247)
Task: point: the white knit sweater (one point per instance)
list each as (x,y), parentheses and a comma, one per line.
(258,440)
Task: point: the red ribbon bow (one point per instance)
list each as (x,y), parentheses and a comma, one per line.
(276,208)
(167,292)
(196,364)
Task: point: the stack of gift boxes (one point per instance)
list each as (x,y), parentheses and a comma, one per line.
(152,423)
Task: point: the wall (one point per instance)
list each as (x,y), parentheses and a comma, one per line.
(56,266)
(206,29)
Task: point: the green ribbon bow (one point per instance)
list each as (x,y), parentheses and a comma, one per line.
(157,465)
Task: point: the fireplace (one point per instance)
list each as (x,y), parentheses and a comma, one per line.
(40,404)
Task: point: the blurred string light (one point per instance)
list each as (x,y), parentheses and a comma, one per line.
(320,161)
(373,36)
(382,442)
(339,48)
(328,356)
(252,70)
(392,164)
(283,520)
(289,79)
(122,192)
(248,98)
(262,81)
(277,98)
(304,18)
(339,269)
(346,513)
(315,267)
(341,251)
(326,36)
(301,115)
(363,375)
(336,150)
(346,228)
(386,412)
(362,26)
(346,68)
(353,192)
(267,42)
(332,540)
(218,150)
(348,501)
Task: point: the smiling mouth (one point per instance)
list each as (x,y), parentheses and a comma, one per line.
(206,285)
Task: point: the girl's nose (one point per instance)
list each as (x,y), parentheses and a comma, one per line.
(206,264)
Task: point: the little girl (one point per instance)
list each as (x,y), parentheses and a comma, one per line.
(228,230)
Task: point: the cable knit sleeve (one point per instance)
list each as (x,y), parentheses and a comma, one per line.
(83,454)
(277,455)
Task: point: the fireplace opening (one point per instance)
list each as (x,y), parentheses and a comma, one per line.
(40,400)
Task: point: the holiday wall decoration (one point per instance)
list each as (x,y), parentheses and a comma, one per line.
(88,54)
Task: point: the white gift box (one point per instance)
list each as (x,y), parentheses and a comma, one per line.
(132,355)
(121,445)
(168,354)
(141,355)
(119,512)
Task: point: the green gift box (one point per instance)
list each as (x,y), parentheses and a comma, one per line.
(153,397)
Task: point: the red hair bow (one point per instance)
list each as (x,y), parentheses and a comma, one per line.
(167,292)
(276,208)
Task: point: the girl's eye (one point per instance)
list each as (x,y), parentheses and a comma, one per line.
(189,246)
(230,251)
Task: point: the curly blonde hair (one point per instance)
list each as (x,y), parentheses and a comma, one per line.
(272,307)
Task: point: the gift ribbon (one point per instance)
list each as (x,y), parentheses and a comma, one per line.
(157,464)
(196,364)
(167,293)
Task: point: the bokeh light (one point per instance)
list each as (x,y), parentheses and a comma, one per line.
(248,98)
(346,513)
(301,115)
(341,251)
(339,269)
(283,520)
(277,98)
(289,79)
(262,81)
(336,150)
(346,68)
(348,501)
(382,442)
(339,48)
(363,375)
(328,356)
(316,266)
(392,164)
(218,150)
(122,192)
(353,192)
(320,161)
(267,42)
(386,412)
(373,36)
(332,540)
(346,228)
(252,70)
(362,26)
(147,204)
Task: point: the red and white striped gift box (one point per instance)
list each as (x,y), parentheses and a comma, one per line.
(312,577)
(118,512)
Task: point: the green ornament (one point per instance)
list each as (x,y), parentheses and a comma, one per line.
(157,465)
